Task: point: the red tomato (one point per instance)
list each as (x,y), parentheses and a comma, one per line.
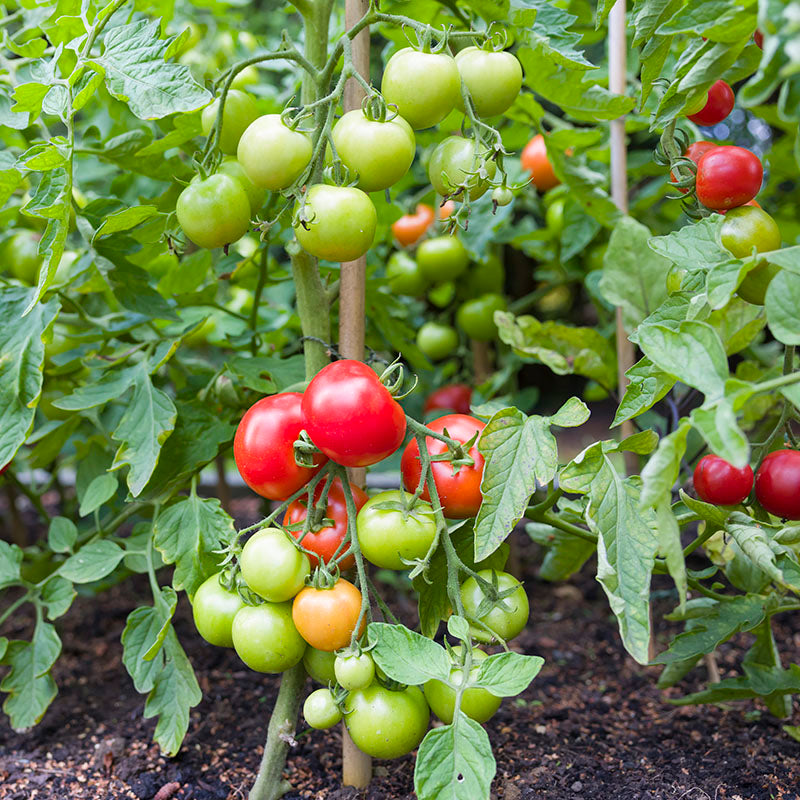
(264,447)
(778,484)
(534,159)
(718,106)
(718,482)
(728,177)
(455,397)
(351,416)
(695,151)
(758,38)
(459,487)
(410,228)
(325,541)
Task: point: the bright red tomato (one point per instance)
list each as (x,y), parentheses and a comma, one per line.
(459,487)
(758,38)
(718,482)
(264,447)
(718,106)
(455,397)
(534,159)
(325,541)
(351,416)
(695,151)
(728,177)
(778,484)
(410,228)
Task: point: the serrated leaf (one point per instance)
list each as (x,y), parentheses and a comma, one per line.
(144,634)
(693,247)
(93,561)
(754,543)
(663,468)
(10,560)
(508,674)
(125,220)
(647,385)
(783,294)
(407,657)
(717,424)
(564,554)
(550,33)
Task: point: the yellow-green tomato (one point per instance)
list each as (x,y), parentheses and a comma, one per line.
(232,168)
(320,710)
(437,340)
(266,639)
(384,723)
(214,212)
(493,80)
(388,531)
(272,566)
(442,258)
(404,275)
(319,665)
(454,165)
(341,223)
(354,671)
(476,316)
(507,618)
(21,255)
(240,110)
(272,154)
(477,703)
(442,295)
(378,153)
(214,608)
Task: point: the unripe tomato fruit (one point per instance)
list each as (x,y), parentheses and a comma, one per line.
(442,258)
(379,153)
(493,80)
(233,169)
(404,275)
(326,618)
(342,222)
(213,609)
(502,195)
(718,482)
(719,104)
(214,212)
(534,160)
(20,254)
(454,163)
(320,710)
(240,110)
(266,639)
(476,317)
(384,723)
(442,295)
(272,566)
(437,340)
(410,228)
(727,177)
(778,484)
(423,86)
(505,622)
(460,491)
(263,447)
(454,397)
(272,154)
(351,416)
(354,671)
(319,665)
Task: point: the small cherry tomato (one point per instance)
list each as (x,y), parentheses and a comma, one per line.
(272,566)
(214,212)
(718,482)
(534,160)
(445,210)
(213,609)
(240,110)
(454,397)
(404,275)
(265,637)
(326,618)
(719,104)
(728,176)
(319,665)
(455,164)
(354,671)
(476,317)
(506,622)
(437,340)
(272,154)
(778,484)
(502,195)
(320,710)
(410,228)
(758,38)
(442,258)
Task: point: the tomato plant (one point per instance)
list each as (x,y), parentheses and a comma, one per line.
(437,340)
(494,79)
(456,168)
(442,258)
(404,275)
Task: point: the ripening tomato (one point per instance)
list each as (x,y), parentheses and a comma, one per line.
(454,397)
(727,177)
(272,154)
(214,212)
(213,609)
(404,275)
(272,565)
(442,258)
(507,622)
(445,210)
(493,79)
(265,637)
(758,38)
(410,228)
(240,110)
(326,618)
(534,160)
(424,86)
(718,482)
(455,164)
(437,340)
(325,541)
(458,486)
(778,484)
(719,104)
(263,447)
(351,416)
(354,671)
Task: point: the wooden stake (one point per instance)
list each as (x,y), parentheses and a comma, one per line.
(481,361)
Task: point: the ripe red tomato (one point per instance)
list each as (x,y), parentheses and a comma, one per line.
(410,228)
(325,541)
(326,618)
(718,482)
(758,38)
(459,487)
(351,416)
(727,177)
(534,159)
(455,397)
(264,447)
(718,106)
(695,151)
(778,484)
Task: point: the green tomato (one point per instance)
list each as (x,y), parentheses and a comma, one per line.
(388,533)
(384,723)
(502,195)
(272,566)
(342,222)
(476,317)
(240,110)
(437,340)
(554,217)
(454,164)
(442,258)
(479,704)
(379,153)
(424,86)
(442,295)
(213,609)
(21,256)
(320,710)
(675,279)
(266,639)
(214,212)
(272,154)
(404,275)
(354,671)
(505,622)
(319,665)
(233,169)
(247,77)
(595,256)
(494,80)
(488,278)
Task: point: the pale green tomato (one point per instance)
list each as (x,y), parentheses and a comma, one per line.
(272,566)
(272,154)
(494,80)
(213,212)
(454,163)
(232,168)
(240,110)
(266,639)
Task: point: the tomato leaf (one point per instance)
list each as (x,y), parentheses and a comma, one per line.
(693,247)
(61,535)
(93,561)
(783,295)
(508,674)
(663,468)
(716,421)
(754,543)
(405,656)
(549,32)
(99,491)
(564,554)
(57,596)
(647,385)
(10,560)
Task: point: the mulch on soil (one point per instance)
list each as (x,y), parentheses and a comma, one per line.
(592,726)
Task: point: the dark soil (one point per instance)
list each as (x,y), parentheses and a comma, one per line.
(592,726)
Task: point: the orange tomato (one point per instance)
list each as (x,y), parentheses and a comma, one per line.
(326,618)
(410,228)
(534,159)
